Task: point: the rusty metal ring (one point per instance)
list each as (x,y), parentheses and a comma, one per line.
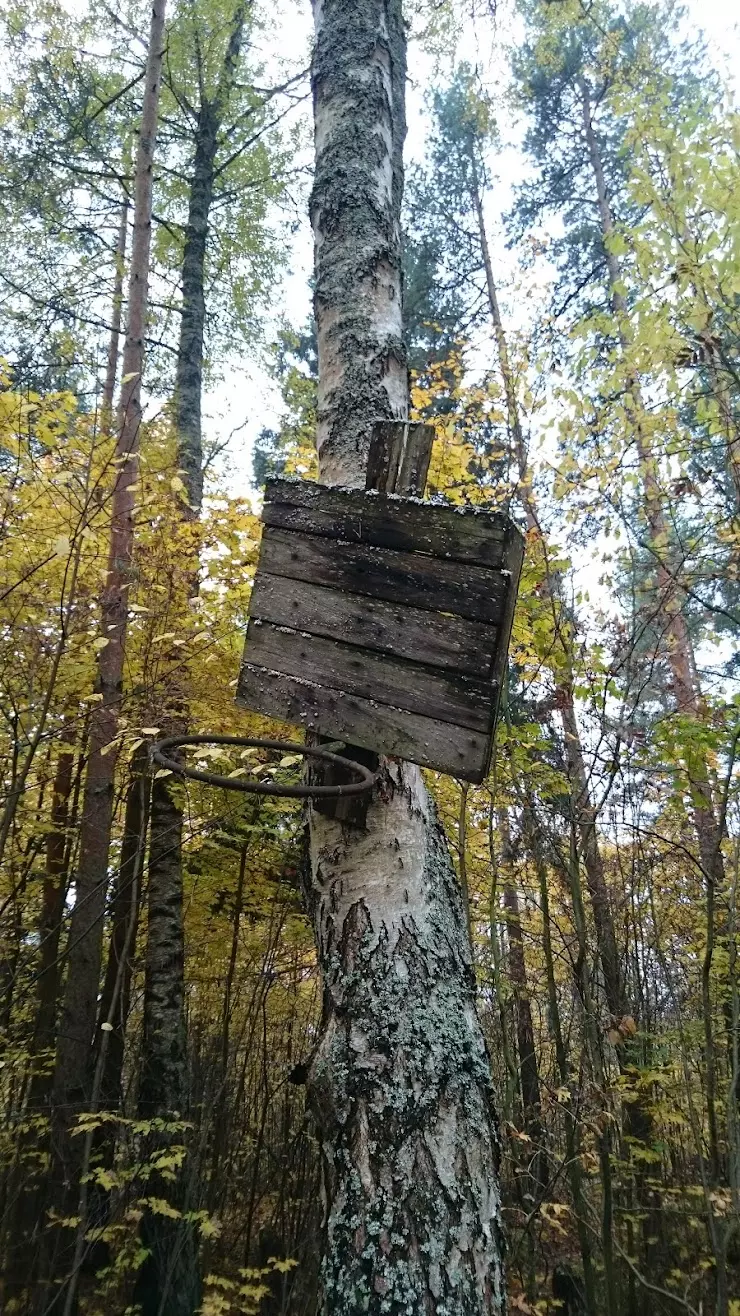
(361,787)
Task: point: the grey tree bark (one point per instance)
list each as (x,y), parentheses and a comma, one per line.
(400,1080)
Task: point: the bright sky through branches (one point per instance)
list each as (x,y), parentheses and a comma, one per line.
(247,400)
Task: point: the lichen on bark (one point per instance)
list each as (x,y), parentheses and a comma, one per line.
(359,70)
(400,1081)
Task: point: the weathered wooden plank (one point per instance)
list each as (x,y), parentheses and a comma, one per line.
(365,517)
(384,455)
(464,701)
(398,577)
(399,456)
(437,639)
(513,558)
(439,745)
(415,459)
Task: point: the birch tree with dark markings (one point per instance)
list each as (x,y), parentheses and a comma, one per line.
(400,1080)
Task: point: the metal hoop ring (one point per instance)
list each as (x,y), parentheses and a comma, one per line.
(361,787)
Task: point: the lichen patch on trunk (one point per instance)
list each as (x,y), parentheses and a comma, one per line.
(400,1081)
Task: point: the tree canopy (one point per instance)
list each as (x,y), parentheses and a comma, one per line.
(571,325)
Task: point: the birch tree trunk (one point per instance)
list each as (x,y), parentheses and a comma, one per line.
(400,1080)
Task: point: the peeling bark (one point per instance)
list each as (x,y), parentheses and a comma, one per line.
(400,1081)
(359,72)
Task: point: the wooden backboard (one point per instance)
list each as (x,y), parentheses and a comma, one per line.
(383,621)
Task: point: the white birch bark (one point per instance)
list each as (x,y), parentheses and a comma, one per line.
(400,1080)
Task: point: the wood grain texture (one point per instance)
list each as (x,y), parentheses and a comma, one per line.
(365,517)
(397,577)
(380,620)
(436,639)
(512,564)
(415,460)
(439,745)
(462,700)
(399,457)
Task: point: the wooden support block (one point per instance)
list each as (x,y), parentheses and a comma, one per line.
(382,620)
(398,461)
(399,457)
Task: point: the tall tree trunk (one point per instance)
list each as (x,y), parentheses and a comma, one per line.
(54,893)
(585,816)
(678,644)
(585,812)
(26,1184)
(679,647)
(637,1118)
(115,997)
(170,1282)
(124,924)
(581,974)
(572,1130)
(529,1077)
(111,365)
(513,417)
(73,1071)
(400,1080)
